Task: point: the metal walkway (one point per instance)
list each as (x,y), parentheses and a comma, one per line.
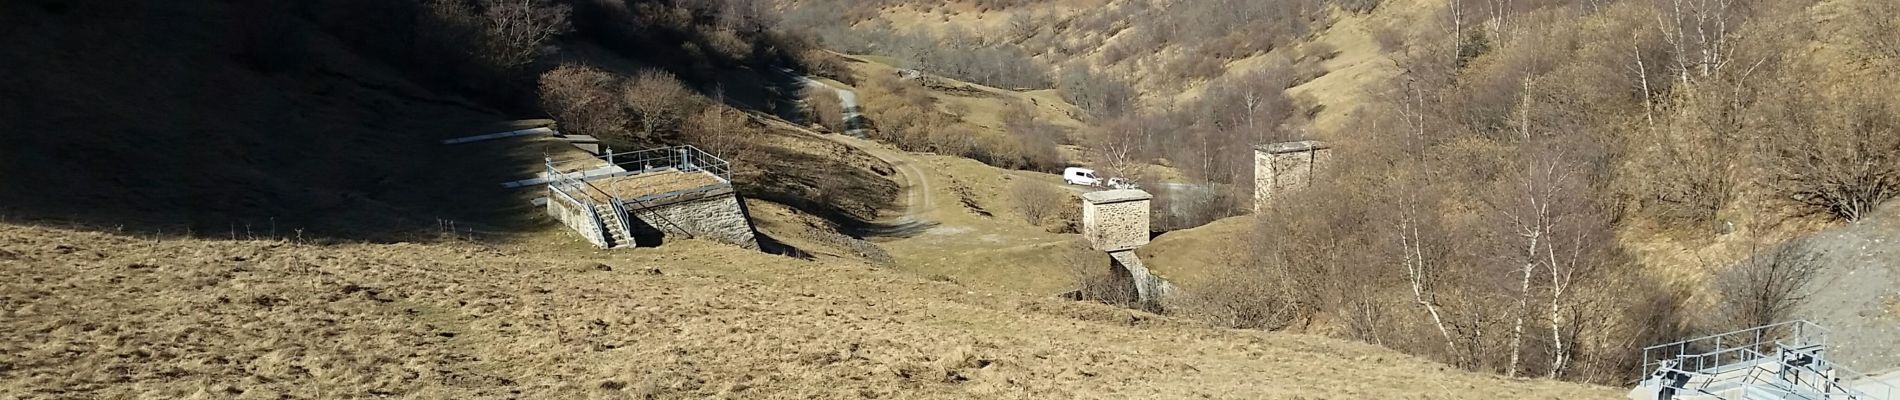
(1784,361)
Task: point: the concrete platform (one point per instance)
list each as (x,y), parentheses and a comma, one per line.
(653,183)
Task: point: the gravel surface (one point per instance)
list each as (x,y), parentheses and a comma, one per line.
(1857,296)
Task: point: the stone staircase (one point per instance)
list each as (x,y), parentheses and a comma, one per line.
(618,233)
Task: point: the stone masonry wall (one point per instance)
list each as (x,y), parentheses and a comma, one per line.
(574,216)
(716,217)
(1283,168)
(1115,220)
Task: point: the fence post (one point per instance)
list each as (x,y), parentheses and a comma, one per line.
(610,156)
(686,160)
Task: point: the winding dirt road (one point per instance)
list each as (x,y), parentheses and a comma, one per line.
(915,183)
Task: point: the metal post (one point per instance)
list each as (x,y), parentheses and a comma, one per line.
(686,161)
(610,156)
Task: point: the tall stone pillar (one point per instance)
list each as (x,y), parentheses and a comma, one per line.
(1116,221)
(1282,168)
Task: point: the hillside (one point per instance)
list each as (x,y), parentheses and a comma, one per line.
(99,315)
(1623,180)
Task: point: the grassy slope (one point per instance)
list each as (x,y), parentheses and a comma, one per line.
(95,315)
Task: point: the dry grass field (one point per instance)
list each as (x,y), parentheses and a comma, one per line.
(98,315)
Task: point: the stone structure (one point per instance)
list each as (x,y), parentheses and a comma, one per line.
(1282,168)
(580,216)
(670,193)
(1116,221)
(713,213)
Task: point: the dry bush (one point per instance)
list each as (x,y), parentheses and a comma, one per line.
(1102,283)
(661,101)
(725,132)
(1036,201)
(729,45)
(823,108)
(1765,288)
(582,98)
(1879,27)
(1102,96)
(516,32)
(823,63)
(1838,154)
(1249,297)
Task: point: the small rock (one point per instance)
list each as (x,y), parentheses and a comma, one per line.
(652,271)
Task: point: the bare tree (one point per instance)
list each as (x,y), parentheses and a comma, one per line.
(516,31)
(582,100)
(724,131)
(1838,154)
(1768,285)
(1036,201)
(1702,33)
(1117,148)
(660,99)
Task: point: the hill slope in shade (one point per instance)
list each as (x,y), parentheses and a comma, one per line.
(94,315)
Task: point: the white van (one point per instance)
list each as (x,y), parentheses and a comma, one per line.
(1080,176)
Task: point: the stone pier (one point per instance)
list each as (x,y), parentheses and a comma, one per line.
(1282,168)
(1116,221)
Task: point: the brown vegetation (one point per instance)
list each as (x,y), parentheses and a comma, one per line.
(1477,222)
(823,108)
(1766,287)
(661,101)
(94,315)
(577,97)
(1037,202)
(903,113)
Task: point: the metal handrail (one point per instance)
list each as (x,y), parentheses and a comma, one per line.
(1803,331)
(1752,380)
(687,158)
(600,227)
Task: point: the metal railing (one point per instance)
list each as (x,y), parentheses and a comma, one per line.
(685,158)
(574,186)
(600,227)
(1715,351)
(1784,360)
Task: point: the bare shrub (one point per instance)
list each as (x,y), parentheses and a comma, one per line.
(515,32)
(1103,283)
(1102,96)
(725,132)
(1036,201)
(823,107)
(661,101)
(1244,298)
(1839,155)
(823,63)
(582,99)
(729,45)
(1767,286)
